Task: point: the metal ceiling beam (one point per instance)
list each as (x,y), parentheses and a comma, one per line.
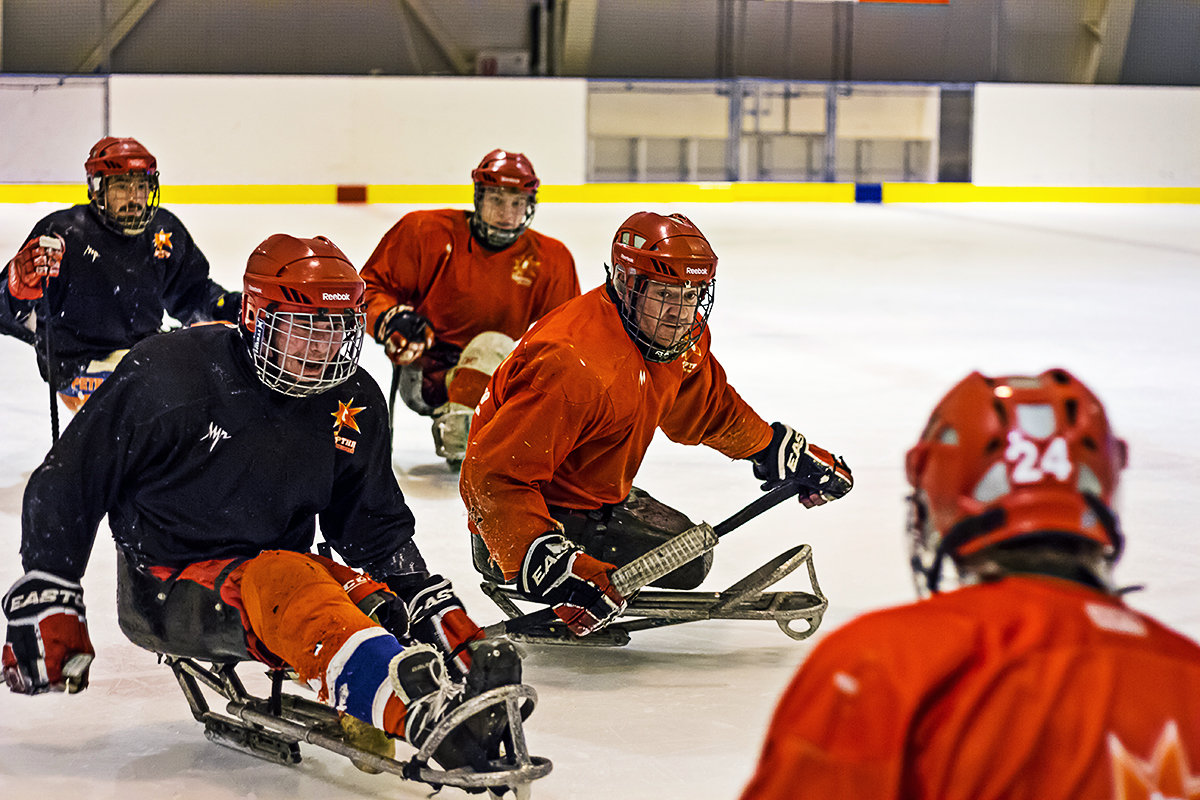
(115,35)
(579,36)
(1106,23)
(458,62)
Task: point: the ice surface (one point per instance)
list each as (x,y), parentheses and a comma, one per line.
(848,322)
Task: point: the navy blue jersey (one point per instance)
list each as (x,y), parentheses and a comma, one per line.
(112,290)
(193,458)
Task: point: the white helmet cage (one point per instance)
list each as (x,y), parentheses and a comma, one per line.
(300,354)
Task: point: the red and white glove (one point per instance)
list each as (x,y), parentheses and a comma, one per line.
(47,647)
(558,572)
(404,333)
(37,261)
(789,456)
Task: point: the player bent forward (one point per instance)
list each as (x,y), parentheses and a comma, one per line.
(558,437)
(1035,679)
(234,441)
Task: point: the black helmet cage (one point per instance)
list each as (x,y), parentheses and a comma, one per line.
(629,288)
(928,550)
(309,339)
(500,238)
(126,225)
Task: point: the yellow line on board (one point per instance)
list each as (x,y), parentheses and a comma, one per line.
(62,193)
(970,193)
(714,192)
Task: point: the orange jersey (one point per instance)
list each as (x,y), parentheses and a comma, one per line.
(430,261)
(1028,687)
(568,417)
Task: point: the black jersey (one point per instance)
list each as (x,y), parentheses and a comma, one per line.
(112,289)
(193,458)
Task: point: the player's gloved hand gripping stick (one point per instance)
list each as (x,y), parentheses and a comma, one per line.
(665,558)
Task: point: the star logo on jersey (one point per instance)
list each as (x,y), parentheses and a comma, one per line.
(344,418)
(525,270)
(162,244)
(345,415)
(1166,775)
(691,359)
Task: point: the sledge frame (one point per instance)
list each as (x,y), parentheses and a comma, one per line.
(648,609)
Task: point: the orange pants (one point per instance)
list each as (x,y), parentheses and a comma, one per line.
(299,610)
(300,607)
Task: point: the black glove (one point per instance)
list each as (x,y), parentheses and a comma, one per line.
(436,616)
(404,333)
(789,456)
(227,307)
(558,572)
(47,648)
(388,610)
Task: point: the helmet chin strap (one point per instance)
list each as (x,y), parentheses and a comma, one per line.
(490,236)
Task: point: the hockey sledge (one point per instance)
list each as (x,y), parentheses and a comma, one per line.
(797,613)
(274,726)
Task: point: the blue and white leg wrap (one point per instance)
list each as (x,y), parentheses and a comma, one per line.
(358,678)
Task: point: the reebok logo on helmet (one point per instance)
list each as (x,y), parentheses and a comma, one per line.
(696,271)
(335,295)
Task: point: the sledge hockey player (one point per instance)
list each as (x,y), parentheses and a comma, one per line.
(558,437)
(93,280)
(449,291)
(234,441)
(1029,677)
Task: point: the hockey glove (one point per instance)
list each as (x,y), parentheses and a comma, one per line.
(789,456)
(558,572)
(436,616)
(404,333)
(47,649)
(38,260)
(227,307)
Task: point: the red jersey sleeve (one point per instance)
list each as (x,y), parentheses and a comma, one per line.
(537,408)
(564,281)
(709,411)
(399,270)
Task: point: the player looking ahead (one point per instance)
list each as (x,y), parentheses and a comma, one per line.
(1034,679)
(449,291)
(93,280)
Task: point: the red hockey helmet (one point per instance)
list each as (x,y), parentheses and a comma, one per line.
(303,314)
(122,179)
(663,278)
(508,172)
(1012,458)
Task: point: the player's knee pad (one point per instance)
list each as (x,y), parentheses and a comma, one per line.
(466,380)
(486,351)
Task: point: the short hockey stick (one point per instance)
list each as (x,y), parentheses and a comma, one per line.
(392,403)
(666,558)
(49,243)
